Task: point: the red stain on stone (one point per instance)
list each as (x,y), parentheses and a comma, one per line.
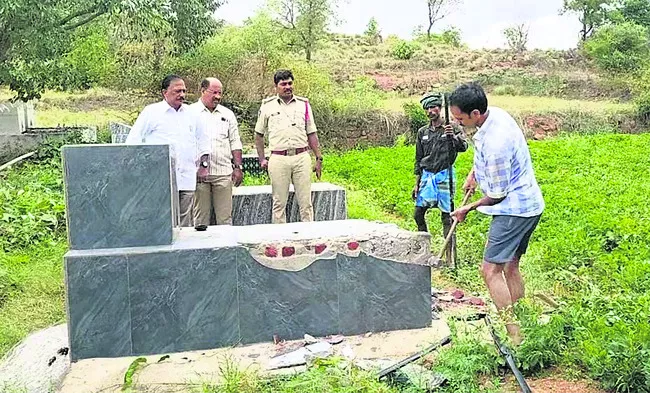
(288,251)
(320,248)
(353,245)
(271,252)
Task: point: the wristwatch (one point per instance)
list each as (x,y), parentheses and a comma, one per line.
(234,166)
(204,164)
(319,158)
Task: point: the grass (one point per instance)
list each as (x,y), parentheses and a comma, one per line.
(36,296)
(591,249)
(94,107)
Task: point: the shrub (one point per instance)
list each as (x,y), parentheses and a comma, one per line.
(505,90)
(403,50)
(619,48)
(416,115)
(642,104)
(451,37)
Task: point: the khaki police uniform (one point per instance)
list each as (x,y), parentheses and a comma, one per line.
(287,126)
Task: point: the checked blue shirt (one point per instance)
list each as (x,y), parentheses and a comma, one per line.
(503,167)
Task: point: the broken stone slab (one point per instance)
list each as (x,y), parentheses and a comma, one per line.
(252,205)
(301,356)
(216,288)
(38,364)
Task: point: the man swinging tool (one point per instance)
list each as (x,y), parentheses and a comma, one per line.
(436,149)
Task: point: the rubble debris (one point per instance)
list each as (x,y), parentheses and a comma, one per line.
(458,294)
(476,301)
(334,340)
(301,356)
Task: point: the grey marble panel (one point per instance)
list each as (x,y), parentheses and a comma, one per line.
(286,303)
(99,321)
(398,295)
(253,205)
(118,196)
(184,300)
(352,280)
(251,209)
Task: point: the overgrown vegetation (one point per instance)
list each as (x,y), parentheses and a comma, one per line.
(591,249)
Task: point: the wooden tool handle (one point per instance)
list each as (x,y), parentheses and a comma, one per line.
(453,227)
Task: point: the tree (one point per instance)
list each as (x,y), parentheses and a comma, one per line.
(517,37)
(619,47)
(438,10)
(37,34)
(372,32)
(635,11)
(307,20)
(592,14)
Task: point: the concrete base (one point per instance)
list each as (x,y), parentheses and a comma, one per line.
(193,369)
(224,286)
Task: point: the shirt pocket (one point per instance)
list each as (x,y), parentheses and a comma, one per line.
(222,128)
(298,121)
(275,120)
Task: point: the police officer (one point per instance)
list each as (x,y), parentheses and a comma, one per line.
(289,123)
(436,148)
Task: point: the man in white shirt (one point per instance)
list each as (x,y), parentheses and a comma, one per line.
(171,122)
(503,171)
(214,191)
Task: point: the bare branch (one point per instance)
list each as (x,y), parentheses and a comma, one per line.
(88,19)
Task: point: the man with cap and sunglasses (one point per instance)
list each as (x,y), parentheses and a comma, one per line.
(436,149)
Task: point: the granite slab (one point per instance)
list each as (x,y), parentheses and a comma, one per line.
(118,196)
(252,205)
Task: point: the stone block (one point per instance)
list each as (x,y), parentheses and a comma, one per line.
(286,303)
(183,300)
(99,319)
(253,205)
(118,196)
(119,132)
(15,118)
(220,287)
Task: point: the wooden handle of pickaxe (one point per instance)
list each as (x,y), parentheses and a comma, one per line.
(468,194)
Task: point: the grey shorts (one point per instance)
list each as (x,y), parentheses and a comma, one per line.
(508,238)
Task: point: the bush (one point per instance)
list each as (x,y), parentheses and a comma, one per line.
(505,90)
(619,48)
(642,104)
(403,50)
(451,37)
(416,115)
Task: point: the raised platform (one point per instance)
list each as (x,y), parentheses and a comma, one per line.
(220,288)
(253,205)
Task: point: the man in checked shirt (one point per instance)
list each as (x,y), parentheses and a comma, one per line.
(224,169)
(504,173)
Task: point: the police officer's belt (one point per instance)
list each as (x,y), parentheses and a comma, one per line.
(290,152)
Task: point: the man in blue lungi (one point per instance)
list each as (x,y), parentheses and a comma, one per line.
(436,148)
